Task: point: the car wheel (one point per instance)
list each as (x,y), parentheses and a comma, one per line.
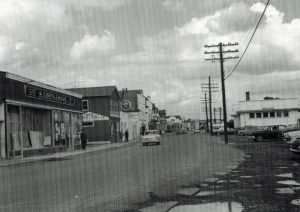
(157,143)
(259,138)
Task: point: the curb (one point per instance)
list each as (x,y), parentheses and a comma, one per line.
(13,162)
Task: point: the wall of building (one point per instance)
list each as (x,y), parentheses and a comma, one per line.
(292,118)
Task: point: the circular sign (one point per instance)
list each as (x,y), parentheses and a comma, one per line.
(125,104)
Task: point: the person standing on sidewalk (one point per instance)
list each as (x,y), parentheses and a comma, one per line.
(121,135)
(126,135)
(83,138)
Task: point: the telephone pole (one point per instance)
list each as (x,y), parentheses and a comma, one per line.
(221,58)
(211,88)
(206,112)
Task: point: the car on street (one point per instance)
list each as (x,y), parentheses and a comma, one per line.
(196,131)
(151,137)
(220,131)
(269,133)
(247,130)
(295,147)
(292,136)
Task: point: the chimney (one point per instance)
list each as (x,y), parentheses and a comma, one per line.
(247,96)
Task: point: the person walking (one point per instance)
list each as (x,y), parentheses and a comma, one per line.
(126,135)
(83,138)
(121,135)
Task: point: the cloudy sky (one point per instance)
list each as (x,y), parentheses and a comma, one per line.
(154,45)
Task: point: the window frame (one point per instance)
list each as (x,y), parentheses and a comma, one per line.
(260,116)
(272,112)
(87,105)
(285,113)
(265,113)
(251,115)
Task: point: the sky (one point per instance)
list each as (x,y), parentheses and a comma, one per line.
(154,45)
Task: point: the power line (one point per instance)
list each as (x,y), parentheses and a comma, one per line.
(238,62)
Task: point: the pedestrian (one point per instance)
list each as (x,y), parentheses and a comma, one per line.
(121,135)
(83,138)
(126,135)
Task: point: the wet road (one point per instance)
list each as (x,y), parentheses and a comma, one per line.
(116,179)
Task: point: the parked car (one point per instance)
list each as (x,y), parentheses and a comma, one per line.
(295,147)
(268,133)
(247,130)
(196,131)
(151,137)
(290,137)
(220,131)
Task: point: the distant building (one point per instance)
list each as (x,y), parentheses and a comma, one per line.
(267,112)
(104,101)
(163,120)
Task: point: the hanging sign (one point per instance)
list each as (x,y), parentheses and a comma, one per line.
(125,104)
(89,116)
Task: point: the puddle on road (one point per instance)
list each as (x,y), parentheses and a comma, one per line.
(287,190)
(157,207)
(215,206)
(296,202)
(289,182)
(207,193)
(230,181)
(221,173)
(247,177)
(288,175)
(188,191)
(211,180)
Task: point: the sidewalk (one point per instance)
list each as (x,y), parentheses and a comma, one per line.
(91,147)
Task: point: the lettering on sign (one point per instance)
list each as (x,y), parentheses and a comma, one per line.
(49,96)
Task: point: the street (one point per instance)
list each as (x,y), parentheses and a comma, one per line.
(115,180)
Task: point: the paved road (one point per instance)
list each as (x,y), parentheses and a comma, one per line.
(115,179)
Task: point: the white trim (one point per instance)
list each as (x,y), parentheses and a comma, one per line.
(42,85)
(13,102)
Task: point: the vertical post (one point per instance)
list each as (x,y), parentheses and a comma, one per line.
(220,109)
(210,110)
(215,115)
(223,94)
(206,113)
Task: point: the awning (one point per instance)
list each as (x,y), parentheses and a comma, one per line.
(89,116)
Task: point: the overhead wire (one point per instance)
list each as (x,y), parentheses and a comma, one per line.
(248,44)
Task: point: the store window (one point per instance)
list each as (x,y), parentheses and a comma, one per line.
(258,115)
(278,113)
(36,128)
(13,131)
(265,114)
(85,105)
(62,127)
(285,113)
(88,124)
(272,114)
(251,115)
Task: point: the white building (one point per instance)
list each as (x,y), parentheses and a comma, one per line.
(267,112)
(135,115)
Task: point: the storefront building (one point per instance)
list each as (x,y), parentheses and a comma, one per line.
(36,118)
(103,101)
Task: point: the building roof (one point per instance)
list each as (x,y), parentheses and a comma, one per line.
(95,91)
(39,84)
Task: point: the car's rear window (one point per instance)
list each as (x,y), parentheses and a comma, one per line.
(151,132)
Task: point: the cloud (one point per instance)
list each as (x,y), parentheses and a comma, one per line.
(106,5)
(93,46)
(173,5)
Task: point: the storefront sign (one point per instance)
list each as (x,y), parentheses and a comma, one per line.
(126,104)
(89,116)
(39,93)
